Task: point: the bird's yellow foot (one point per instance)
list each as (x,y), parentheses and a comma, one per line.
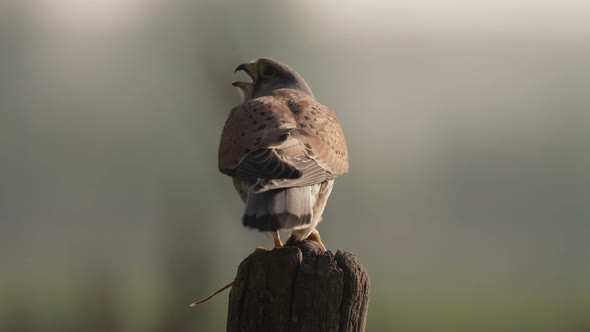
(260,248)
(277,238)
(315,236)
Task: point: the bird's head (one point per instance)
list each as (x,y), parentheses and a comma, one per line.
(269,75)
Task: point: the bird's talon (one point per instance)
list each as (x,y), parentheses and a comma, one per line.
(277,238)
(315,236)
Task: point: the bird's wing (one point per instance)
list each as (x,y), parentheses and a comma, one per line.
(316,147)
(287,140)
(251,132)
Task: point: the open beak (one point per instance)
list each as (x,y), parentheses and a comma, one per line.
(249,69)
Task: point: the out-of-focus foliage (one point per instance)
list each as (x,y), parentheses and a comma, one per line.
(468,124)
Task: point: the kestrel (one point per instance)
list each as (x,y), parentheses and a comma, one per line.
(283,150)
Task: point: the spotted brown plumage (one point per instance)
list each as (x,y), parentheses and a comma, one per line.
(283,149)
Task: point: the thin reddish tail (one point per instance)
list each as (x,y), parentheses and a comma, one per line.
(212,295)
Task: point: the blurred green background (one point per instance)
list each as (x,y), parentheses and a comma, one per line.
(468,125)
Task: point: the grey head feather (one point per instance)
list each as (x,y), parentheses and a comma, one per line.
(280,76)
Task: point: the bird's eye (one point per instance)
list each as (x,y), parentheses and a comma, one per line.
(268,72)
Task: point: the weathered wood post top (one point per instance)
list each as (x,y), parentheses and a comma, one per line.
(299,288)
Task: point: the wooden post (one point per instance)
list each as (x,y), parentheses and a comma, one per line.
(299,288)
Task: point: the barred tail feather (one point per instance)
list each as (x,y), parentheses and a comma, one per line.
(289,208)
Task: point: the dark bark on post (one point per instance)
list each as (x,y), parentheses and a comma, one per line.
(299,288)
